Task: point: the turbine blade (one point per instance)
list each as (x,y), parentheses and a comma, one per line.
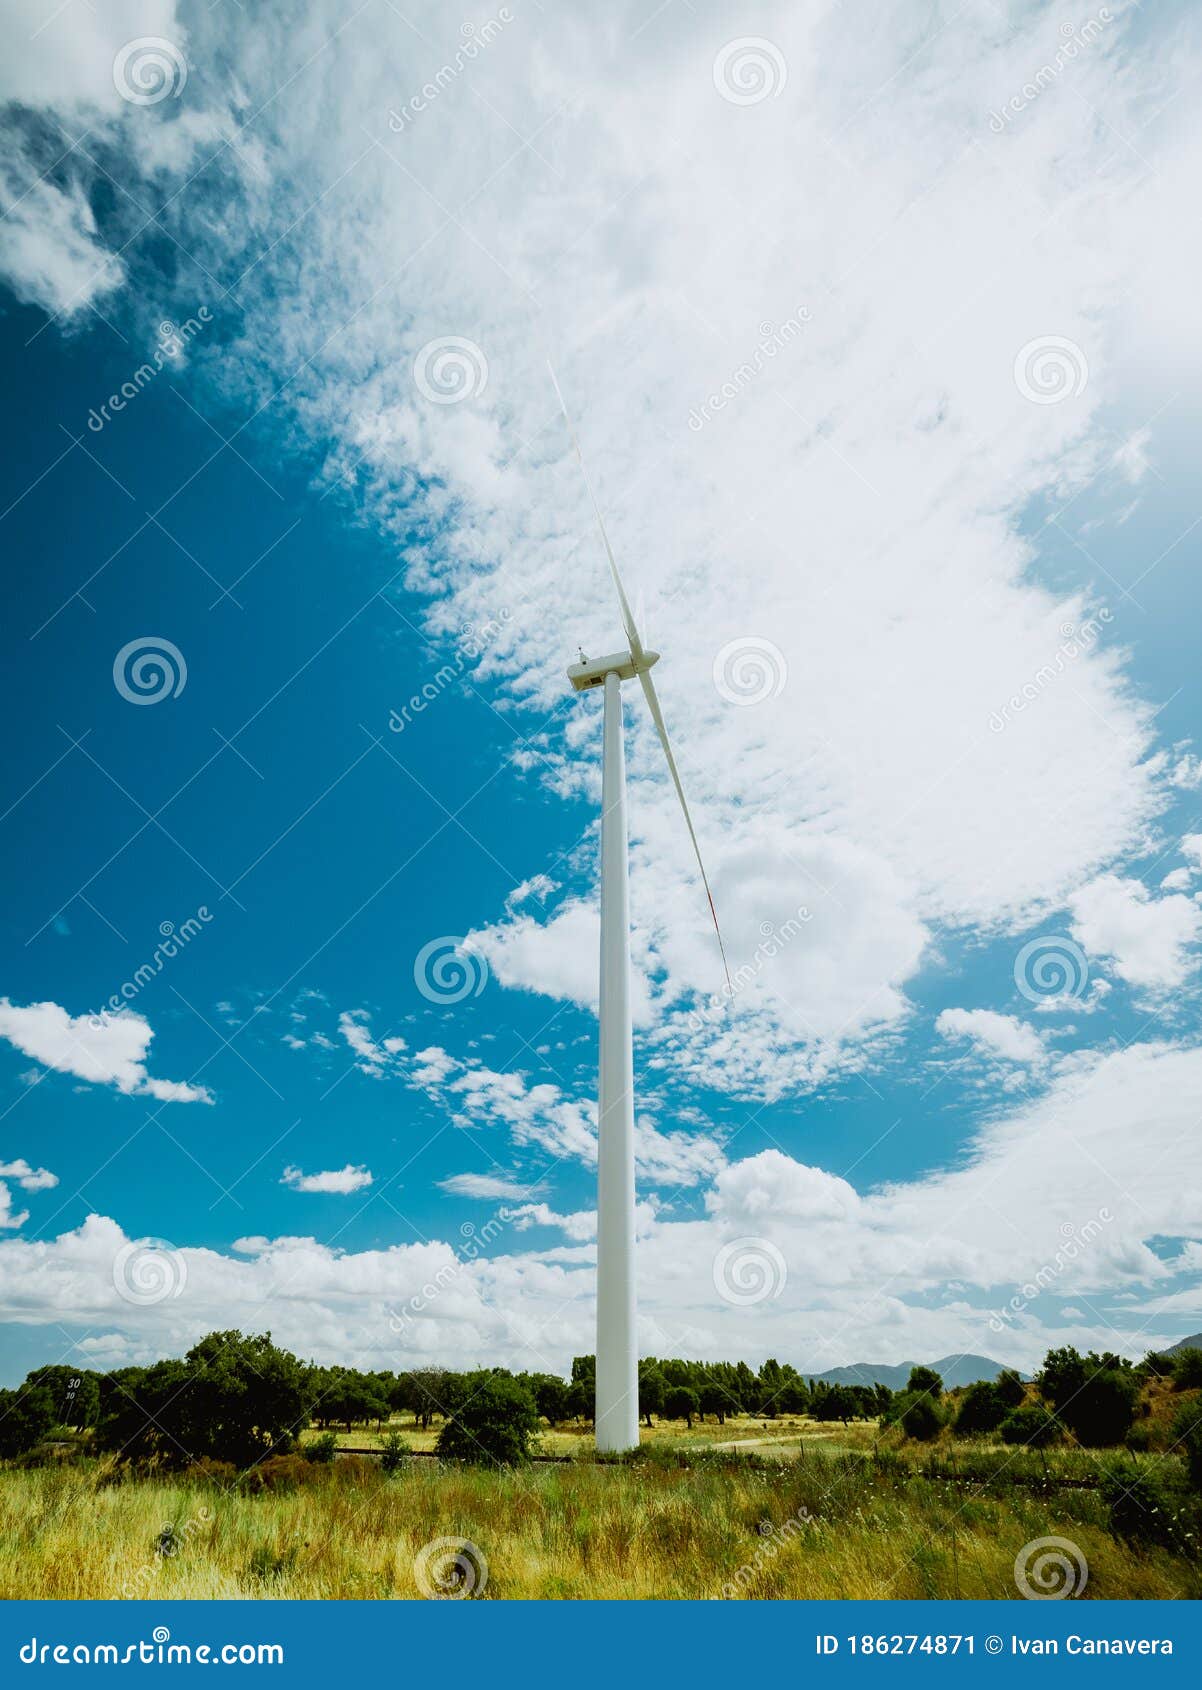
(628,622)
(657,716)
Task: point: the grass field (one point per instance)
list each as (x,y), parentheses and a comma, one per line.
(827,1520)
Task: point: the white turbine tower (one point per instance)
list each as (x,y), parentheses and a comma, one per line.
(617,1406)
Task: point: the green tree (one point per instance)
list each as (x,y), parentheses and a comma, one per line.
(493,1426)
(924,1381)
(26,1415)
(1031,1425)
(1010,1388)
(920,1416)
(1187,1370)
(1093,1395)
(982,1408)
(76,1393)
(680,1403)
(652,1389)
(551,1397)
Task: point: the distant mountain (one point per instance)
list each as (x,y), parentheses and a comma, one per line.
(953,1370)
(1194,1343)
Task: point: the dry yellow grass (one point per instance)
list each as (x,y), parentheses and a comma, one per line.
(819,1527)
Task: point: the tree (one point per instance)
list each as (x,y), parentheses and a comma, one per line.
(920,1417)
(982,1408)
(1010,1388)
(1093,1395)
(75,1391)
(715,1398)
(494,1425)
(550,1397)
(1187,1370)
(681,1403)
(26,1415)
(1030,1425)
(233,1398)
(652,1389)
(836,1402)
(924,1381)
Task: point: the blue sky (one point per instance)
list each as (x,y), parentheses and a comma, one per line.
(943,488)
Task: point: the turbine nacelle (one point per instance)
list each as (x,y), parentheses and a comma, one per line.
(591,673)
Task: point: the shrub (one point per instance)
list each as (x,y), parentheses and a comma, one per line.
(920,1418)
(1187,1370)
(981,1409)
(1010,1388)
(26,1416)
(277,1473)
(925,1381)
(322,1449)
(1144,1507)
(1031,1425)
(396,1453)
(1187,1440)
(493,1425)
(215,1472)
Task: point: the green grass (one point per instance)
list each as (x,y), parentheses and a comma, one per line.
(681,1522)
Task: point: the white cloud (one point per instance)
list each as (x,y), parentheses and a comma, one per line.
(1147,938)
(993,1034)
(373,1058)
(1096,1160)
(103,1049)
(484,1186)
(341,1180)
(29,1179)
(857,505)
(1190,847)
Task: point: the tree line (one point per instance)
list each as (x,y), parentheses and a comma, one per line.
(238,1398)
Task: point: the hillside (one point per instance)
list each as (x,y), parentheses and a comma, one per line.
(1194,1343)
(953,1370)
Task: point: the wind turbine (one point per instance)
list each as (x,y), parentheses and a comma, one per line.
(616,1422)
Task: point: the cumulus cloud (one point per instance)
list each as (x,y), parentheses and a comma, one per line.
(341,1180)
(484,1185)
(1066,1190)
(1147,939)
(993,1034)
(103,1049)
